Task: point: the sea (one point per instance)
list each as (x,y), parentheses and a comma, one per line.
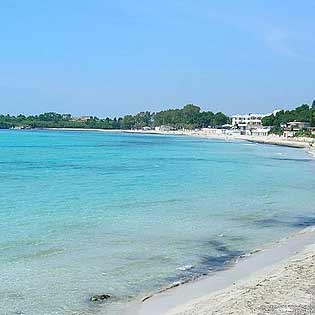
(86,212)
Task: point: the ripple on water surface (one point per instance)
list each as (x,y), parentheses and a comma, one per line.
(86,213)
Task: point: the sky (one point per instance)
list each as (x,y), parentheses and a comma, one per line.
(111,58)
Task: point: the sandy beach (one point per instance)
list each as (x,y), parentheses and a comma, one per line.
(306,143)
(157,158)
(296,142)
(287,288)
(277,280)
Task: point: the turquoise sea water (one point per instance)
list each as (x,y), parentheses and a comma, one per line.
(85,213)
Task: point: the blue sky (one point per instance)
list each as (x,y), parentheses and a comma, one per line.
(110,58)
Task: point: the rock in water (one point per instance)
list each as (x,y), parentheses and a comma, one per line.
(99,297)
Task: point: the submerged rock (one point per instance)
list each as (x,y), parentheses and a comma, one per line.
(99,297)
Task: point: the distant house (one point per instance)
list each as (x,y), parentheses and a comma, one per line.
(213,131)
(226,126)
(21,127)
(146,128)
(245,122)
(287,133)
(293,127)
(66,116)
(298,125)
(260,132)
(81,118)
(164,128)
(249,122)
(233,132)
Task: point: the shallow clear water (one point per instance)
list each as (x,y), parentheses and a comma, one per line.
(84,213)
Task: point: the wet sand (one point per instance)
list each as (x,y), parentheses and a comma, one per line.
(276,280)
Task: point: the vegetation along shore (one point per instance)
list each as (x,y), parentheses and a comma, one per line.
(190,117)
(293,128)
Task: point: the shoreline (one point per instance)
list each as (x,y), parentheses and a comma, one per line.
(184,298)
(169,301)
(271,139)
(202,296)
(299,143)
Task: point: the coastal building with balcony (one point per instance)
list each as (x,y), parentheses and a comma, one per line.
(250,120)
(249,123)
(298,125)
(291,128)
(260,132)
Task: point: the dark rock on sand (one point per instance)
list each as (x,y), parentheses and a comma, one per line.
(99,297)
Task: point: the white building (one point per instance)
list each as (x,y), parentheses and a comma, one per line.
(260,132)
(291,128)
(164,128)
(247,121)
(250,122)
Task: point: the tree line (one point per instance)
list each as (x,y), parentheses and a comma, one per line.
(304,113)
(188,117)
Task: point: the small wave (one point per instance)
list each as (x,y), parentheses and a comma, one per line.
(291,159)
(185,268)
(39,255)
(308,229)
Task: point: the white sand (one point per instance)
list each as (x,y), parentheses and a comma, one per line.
(297,142)
(286,288)
(278,280)
(272,281)
(307,143)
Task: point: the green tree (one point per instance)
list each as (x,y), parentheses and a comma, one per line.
(220,119)
(268,120)
(205,119)
(128,122)
(312,119)
(301,113)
